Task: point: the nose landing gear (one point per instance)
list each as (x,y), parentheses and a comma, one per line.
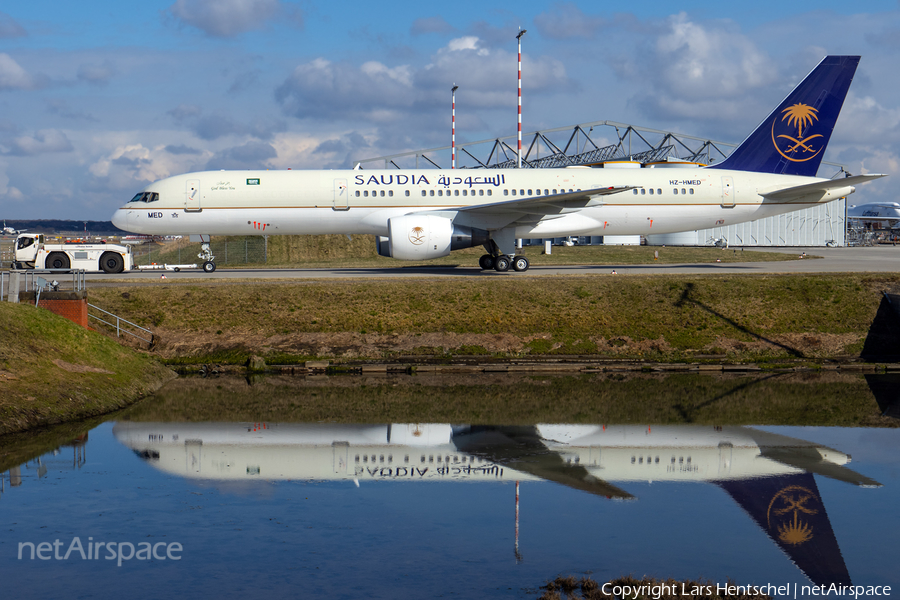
(207,257)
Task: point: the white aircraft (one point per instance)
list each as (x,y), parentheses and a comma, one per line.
(425,214)
(9,230)
(886,214)
(769,475)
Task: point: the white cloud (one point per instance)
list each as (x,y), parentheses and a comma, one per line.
(42,142)
(9,28)
(7,192)
(566,21)
(13,76)
(225,18)
(131,166)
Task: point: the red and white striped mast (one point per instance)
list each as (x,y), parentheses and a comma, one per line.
(519,153)
(453,127)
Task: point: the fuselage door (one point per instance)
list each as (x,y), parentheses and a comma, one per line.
(341,195)
(192,195)
(341,456)
(728,192)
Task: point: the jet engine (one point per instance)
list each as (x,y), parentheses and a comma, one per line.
(423,237)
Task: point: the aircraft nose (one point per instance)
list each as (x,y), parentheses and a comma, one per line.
(120,219)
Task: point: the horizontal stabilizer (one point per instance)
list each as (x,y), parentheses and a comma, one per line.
(798,191)
(809,459)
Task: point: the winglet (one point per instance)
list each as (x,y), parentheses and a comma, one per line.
(792,139)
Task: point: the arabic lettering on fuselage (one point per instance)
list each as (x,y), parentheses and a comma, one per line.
(444,180)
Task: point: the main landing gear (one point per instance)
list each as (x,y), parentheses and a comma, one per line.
(207,257)
(503,263)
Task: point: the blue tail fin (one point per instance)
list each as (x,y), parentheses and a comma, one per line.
(792,140)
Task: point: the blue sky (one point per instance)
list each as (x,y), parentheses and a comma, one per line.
(100,98)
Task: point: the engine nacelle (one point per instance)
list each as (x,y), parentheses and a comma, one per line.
(423,237)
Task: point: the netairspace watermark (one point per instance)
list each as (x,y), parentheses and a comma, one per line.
(119,551)
(657,591)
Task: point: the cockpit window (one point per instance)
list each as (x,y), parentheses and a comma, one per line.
(145,197)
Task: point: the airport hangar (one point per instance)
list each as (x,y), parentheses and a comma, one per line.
(640,147)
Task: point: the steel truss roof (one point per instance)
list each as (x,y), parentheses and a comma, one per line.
(573,146)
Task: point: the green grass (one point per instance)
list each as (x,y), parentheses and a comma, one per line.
(336,251)
(827,399)
(654,317)
(53,371)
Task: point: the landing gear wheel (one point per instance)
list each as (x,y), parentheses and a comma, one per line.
(176,269)
(520,263)
(209,266)
(486,262)
(502,263)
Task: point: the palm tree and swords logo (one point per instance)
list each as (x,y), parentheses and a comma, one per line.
(795,149)
(417,235)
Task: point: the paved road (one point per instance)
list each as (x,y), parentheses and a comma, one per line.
(880,259)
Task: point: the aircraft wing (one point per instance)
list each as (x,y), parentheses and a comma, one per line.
(546,205)
(791,193)
(522,449)
(528,210)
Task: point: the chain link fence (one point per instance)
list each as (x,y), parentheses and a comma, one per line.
(239,251)
(7,252)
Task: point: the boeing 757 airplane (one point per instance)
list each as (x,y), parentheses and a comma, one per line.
(770,476)
(426,214)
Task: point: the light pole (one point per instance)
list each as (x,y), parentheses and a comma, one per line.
(519,153)
(453,126)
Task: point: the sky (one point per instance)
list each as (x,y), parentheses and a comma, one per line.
(100,98)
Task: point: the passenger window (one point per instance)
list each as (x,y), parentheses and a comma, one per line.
(651,191)
(423,192)
(506,192)
(432,193)
(357,193)
(456,192)
(692,191)
(675,191)
(366,193)
(481,192)
(489,192)
(521,192)
(546,192)
(391,193)
(514,192)
(643,192)
(407,192)
(682,190)
(382,193)
(634,191)
(659,191)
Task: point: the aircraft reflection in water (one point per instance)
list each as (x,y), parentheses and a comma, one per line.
(769,475)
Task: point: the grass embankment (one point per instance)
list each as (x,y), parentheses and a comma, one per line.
(53,371)
(662,318)
(336,251)
(809,399)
